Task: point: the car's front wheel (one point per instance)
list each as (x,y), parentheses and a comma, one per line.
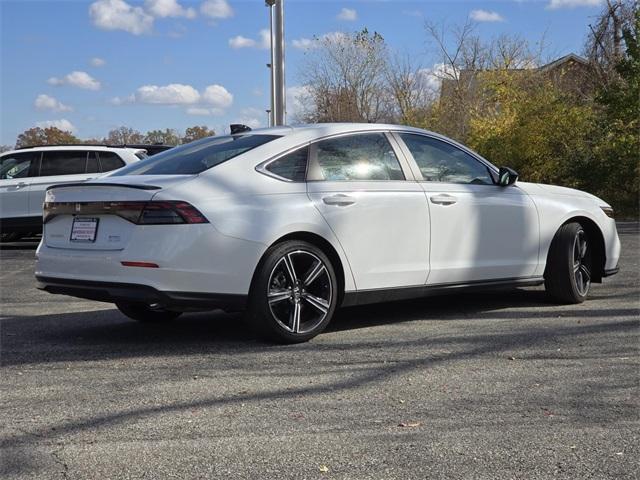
(146,313)
(568,273)
(294,293)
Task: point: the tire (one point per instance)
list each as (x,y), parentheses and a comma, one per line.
(568,272)
(293,294)
(10,237)
(144,313)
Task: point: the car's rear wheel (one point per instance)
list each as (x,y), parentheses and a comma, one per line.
(146,313)
(568,273)
(294,293)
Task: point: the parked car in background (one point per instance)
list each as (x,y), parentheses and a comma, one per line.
(25,175)
(290,223)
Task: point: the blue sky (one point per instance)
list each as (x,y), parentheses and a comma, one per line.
(95,65)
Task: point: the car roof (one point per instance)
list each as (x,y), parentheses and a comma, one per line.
(336,128)
(100,148)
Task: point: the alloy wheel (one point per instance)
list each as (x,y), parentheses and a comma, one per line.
(581,272)
(299,291)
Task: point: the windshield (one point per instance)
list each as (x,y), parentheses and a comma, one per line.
(195,157)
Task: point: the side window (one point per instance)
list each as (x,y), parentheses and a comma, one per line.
(110,161)
(441,162)
(92,163)
(366,156)
(63,162)
(292,166)
(18,165)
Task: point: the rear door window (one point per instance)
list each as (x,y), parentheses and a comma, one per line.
(365,156)
(18,165)
(92,163)
(61,162)
(110,161)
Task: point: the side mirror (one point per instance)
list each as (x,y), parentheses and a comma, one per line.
(506,176)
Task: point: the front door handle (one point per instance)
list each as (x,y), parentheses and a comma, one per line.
(340,200)
(444,199)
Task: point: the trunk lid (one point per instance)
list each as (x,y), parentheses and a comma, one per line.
(78,216)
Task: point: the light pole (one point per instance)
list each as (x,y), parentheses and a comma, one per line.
(278,92)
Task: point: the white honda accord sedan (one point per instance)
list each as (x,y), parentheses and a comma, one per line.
(290,223)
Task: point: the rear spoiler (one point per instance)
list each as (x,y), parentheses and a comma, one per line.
(104,184)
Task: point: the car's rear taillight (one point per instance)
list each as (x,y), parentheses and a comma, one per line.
(140,213)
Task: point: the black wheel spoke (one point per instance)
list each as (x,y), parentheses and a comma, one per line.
(316,302)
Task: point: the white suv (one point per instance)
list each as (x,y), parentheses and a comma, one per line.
(26,173)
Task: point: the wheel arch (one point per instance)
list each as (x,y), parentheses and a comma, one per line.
(324,245)
(597,237)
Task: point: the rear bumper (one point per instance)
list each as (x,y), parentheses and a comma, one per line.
(129,292)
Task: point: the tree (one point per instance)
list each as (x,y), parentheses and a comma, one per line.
(617,176)
(168,136)
(346,80)
(605,43)
(38,136)
(5,148)
(197,132)
(124,136)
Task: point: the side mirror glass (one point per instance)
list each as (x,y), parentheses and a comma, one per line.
(506,176)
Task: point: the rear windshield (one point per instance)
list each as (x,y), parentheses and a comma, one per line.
(195,157)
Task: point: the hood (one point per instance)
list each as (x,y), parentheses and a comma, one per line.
(555,190)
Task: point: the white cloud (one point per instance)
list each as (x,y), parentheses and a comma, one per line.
(241,42)
(263,42)
(45,102)
(201,111)
(76,79)
(310,43)
(168,8)
(555,4)
(265,39)
(216,9)
(347,14)
(218,96)
(486,16)
(210,101)
(119,15)
(297,99)
(172,94)
(303,43)
(98,62)
(62,124)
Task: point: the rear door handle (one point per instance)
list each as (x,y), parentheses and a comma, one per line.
(444,199)
(339,199)
(21,185)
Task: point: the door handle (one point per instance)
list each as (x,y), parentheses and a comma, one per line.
(21,185)
(444,199)
(340,200)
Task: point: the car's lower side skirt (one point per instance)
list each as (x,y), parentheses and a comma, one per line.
(364,297)
(127,292)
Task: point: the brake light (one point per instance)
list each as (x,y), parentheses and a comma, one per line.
(140,213)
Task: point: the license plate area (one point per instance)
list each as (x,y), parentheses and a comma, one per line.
(84,230)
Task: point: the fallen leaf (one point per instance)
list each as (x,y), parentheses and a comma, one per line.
(323,468)
(409,424)
(512,358)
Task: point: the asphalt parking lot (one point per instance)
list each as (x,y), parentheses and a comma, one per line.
(500,385)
